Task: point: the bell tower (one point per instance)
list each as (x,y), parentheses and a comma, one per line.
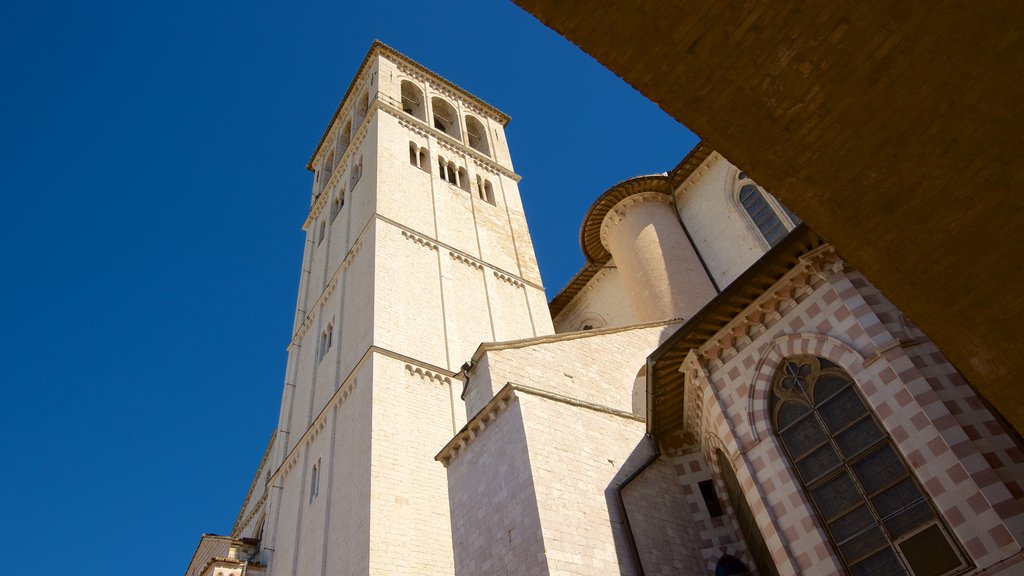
(416,251)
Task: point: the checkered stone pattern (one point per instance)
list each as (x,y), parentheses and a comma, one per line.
(796,541)
(715,536)
(834,316)
(978,436)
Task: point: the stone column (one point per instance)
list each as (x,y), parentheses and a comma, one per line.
(662,274)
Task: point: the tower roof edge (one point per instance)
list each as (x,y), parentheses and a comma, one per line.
(378,47)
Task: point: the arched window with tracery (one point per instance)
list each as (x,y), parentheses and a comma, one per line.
(876,515)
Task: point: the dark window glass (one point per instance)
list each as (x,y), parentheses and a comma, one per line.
(767,222)
(876,515)
(710,495)
(745,518)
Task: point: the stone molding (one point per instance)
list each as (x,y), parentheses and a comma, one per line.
(444,141)
(307,323)
(702,169)
(342,161)
(340,395)
(257,507)
(315,427)
(466,260)
(489,413)
(815,268)
(501,400)
(576,303)
(317,208)
(239,524)
(417,239)
(450,248)
(509,279)
(428,375)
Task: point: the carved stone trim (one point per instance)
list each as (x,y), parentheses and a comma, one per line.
(425,374)
(506,278)
(466,260)
(815,268)
(331,286)
(419,240)
(318,206)
(478,424)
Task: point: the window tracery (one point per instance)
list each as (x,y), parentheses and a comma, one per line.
(876,515)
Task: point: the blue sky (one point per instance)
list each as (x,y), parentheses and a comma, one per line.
(152,189)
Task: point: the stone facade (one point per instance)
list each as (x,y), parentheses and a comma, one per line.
(438,417)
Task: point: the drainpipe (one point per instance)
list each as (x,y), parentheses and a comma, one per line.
(630,540)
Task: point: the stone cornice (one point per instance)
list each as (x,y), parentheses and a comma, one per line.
(421,240)
(590,231)
(441,245)
(814,268)
(444,141)
(258,507)
(399,59)
(508,279)
(471,262)
(446,88)
(713,331)
(332,284)
(409,234)
(436,373)
(340,167)
(563,337)
(427,374)
(504,397)
(574,305)
(317,207)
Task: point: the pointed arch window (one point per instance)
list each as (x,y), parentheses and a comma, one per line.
(876,515)
(772,220)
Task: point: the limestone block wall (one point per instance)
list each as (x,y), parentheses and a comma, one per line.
(825,313)
(311,379)
(532,485)
(407,295)
(667,539)
(495,523)
(602,303)
(325,530)
(724,236)
(598,367)
(410,526)
(577,457)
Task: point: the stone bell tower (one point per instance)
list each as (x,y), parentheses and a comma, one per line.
(417,251)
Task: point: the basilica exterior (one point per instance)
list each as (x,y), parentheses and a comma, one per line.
(716,392)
